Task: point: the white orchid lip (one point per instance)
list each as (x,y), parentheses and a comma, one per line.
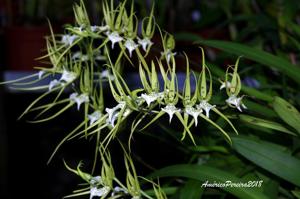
(193,112)
(53,84)
(79,99)
(114,37)
(95,116)
(131,46)
(68,40)
(149,98)
(94,191)
(225,85)
(236,102)
(145,42)
(168,54)
(205,106)
(171,110)
(68,76)
(113,113)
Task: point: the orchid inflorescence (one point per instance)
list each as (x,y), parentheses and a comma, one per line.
(82,58)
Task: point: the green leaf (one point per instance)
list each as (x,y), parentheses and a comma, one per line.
(265,123)
(287,112)
(257,55)
(206,173)
(271,158)
(191,190)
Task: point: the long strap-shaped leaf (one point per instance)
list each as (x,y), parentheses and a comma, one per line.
(270,158)
(257,55)
(206,173)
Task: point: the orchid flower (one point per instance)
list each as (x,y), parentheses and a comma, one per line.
(41,73)
(79,99)
(131,46)
(168,54)
(53,84)
(68,76)
(68,40)
(194,112)
(171,110)
(94,191)
(95,116)
(225,85)
(206,107)
(236,101)
(113,113)
(114,37)
(144,43)
(149,98)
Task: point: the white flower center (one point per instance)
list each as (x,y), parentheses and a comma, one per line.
(171,110)
(114,37)
(206,106)
(131,46)
(79,99)
(145,42)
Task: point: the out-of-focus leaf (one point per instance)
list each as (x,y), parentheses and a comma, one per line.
(265,123)
(210,175)
(271,158)
(287,112)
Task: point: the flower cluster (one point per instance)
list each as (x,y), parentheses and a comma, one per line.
(82,57)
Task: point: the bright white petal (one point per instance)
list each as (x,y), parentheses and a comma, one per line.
(99,192)
(145,42)
(53,84)
(94,181)
(225,85)
(114,37)
(41,73)
(194,112)
(171,110)
(79,99)
(206,107)
(131,46)
(68,39)
(95,116)
(150,98)
(236,101)
(68,76)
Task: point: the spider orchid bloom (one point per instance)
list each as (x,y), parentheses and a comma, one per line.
(68,40)
(113,113)
(149,98)
(114,37)
(41,73)
(95,116)
(171,110)
(168,54)
(79,99)
(117,190)
(68,76)
(131,46)
(94,191)
(144,43)
(236,101)
(194,112)
(206,107)
(53,84)
(225,85)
